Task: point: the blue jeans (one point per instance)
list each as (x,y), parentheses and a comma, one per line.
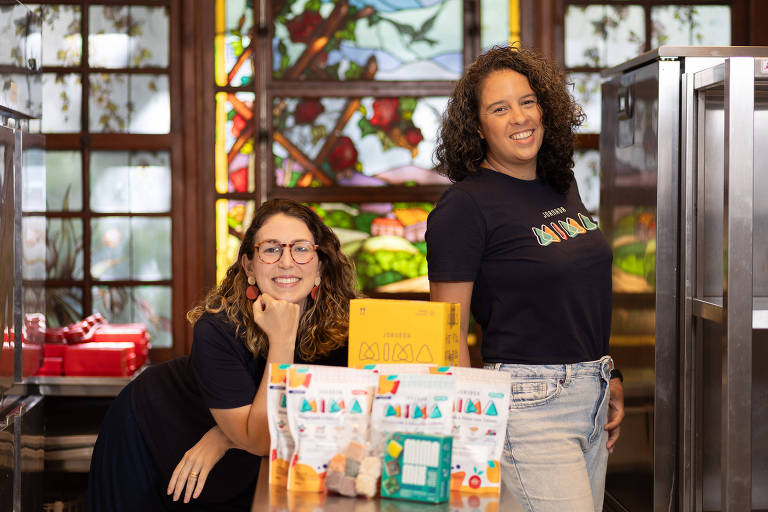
(555,456)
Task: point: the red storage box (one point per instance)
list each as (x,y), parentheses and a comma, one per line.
(30,358)
(134,333)
(54,349)
(100,359)
(52,366)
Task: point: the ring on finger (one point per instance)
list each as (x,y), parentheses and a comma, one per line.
(192,474)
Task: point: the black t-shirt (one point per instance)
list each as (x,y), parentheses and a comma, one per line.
(172,401)
(541,268)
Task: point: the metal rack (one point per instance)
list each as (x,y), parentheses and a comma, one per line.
(724,287)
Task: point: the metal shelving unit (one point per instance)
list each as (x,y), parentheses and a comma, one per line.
(724,287)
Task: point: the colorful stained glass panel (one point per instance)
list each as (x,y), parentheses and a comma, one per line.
(634,249)
(355,142)
(233,57)
(129,103)
(150,305)
(62,43)
(235,158)
(603,35)
(385,241)
(127,36)
(232,220)
(62,99)
(691,25)
(130,181)
(365,40)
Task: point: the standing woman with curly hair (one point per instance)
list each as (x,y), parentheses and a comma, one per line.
(194,428)
(512,241)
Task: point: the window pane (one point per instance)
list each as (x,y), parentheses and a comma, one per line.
(691,25)
(126,37)
(586,91)
(64,306)
(603,35)
(13,33)
(235,159)
(33,247)
(151,248)
(233,59)
(586,168)
(232,220)
(110,248)
(131,248)
(413,40)
(129,103)
(385,241)
(62,44)
(495,22)
(356,142)
(62,100)
(63,181)
(124,181)
(64,258)
(150,305)
(33,180)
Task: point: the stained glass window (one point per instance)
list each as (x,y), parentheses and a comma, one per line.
(368,40)
(385,241)
(367,141)
(353,152)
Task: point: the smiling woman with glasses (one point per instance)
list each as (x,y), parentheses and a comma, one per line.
(195,427)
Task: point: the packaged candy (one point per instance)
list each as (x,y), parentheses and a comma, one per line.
(412,403)
(354,472)
(280,441)
(417,467)
(328,407)
(480,413)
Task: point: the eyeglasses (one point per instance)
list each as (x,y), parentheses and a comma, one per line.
(271,251)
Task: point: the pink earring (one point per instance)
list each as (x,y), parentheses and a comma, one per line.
(252,292)
(315,289)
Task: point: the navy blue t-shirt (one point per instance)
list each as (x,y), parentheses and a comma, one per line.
(541,267)
(172,401)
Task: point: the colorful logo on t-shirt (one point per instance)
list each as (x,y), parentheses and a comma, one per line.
(563,230)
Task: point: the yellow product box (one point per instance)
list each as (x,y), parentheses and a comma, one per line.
(403,331)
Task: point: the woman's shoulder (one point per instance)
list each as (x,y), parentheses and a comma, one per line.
(214,325)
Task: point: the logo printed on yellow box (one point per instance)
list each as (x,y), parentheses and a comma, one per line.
(403,331)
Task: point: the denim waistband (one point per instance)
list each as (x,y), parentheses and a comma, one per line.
(601,367)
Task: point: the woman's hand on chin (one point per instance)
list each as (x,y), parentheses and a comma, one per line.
(279,320)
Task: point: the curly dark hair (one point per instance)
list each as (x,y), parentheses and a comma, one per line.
(324,324)
(460,150)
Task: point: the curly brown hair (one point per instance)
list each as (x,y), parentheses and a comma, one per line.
(324,324)
(460,150)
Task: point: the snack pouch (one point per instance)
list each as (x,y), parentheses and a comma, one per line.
(280,440)
(418,403)
(327,408)
(480,413)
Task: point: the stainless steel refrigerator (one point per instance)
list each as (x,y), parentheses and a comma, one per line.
(702,380)
(22,320)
